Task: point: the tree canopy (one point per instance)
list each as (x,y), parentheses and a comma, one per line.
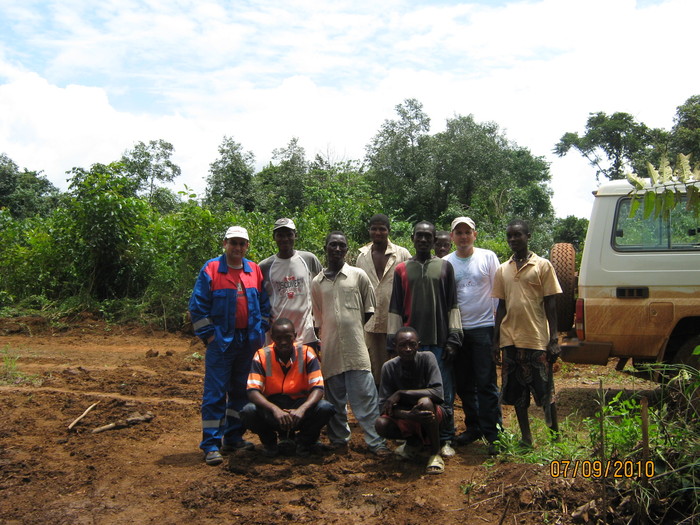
(470,167)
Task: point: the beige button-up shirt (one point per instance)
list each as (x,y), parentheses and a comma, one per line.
(339,307)
(383,286)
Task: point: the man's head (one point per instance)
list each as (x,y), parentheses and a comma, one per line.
(518,235)
(443,243)
(463,235)
(406,343)
(236,242)
(336,247)
(379,228)
(284,234)
(423,238)
(283,335)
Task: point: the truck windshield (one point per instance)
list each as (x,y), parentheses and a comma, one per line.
(679,232)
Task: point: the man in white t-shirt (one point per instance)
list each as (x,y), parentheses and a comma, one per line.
(287,280)
(475,369)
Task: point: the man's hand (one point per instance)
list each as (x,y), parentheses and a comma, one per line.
(284,419)
(553,350)
(420,415)
(496,354)
(449,354)
(297,414)
(390,402)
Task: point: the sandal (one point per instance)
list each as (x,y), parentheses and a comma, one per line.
(436,465)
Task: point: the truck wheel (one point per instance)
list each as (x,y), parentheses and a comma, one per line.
(685,354)
(563,258)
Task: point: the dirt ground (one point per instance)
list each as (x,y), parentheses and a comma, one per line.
(151,471)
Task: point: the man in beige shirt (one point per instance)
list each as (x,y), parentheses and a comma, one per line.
(526,287)
(343,301)
(379,259)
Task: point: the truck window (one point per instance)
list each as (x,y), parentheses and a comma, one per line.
(680,232)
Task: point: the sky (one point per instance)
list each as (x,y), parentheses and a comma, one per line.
(82,82)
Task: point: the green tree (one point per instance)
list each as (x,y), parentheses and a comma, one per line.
(230,180)
(470,167)
(280,187)
(25,193)
(685,134)
(400,159)
(614,144)
(571,230)
(103,230)
(150,162)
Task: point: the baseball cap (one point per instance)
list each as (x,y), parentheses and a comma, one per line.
(237,231)
(463,220)
(284,223)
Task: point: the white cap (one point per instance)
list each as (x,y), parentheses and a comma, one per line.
(237,231)
(463,220)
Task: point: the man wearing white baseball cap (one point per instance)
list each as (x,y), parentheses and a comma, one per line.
(230,312)
(475,370)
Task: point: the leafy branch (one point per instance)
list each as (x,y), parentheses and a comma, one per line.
(666,187)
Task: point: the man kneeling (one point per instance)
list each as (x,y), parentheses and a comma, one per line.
(410,399)
(285,389)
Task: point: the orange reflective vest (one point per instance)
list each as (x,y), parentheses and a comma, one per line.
(267,375)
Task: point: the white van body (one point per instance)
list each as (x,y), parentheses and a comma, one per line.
(639,283)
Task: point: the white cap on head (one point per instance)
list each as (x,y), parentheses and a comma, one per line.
(238,232)
(463,220)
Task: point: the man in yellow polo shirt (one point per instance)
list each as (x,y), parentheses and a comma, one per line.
(526,329)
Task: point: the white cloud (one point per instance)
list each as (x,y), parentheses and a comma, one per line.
(82,82)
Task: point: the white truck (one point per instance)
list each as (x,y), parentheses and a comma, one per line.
(638,292)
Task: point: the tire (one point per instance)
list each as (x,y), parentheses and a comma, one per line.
(685,352)
(563,258)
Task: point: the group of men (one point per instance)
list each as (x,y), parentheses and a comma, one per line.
(291,343)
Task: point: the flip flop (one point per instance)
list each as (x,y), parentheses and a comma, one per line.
(436,465)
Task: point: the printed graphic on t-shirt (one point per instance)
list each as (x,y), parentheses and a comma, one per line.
(290,286)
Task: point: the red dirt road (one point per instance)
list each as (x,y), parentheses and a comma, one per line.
(153,472)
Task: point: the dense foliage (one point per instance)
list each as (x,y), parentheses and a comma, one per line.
(120,242)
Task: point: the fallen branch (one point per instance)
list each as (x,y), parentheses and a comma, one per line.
(132,420)
(81,416)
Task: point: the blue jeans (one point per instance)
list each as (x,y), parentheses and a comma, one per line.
(264,424)
(447,429)
(475,373)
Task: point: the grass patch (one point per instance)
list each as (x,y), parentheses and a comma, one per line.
(11,375)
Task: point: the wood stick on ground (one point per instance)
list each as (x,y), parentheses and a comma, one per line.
(81,416)
(134,419)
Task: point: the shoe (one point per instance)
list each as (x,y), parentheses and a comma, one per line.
(339,447)
(213,458)
(287,447)
(242,444)
(382,451)
(304,451)
(406,451)
(436,465)
(447,451)
(493,449)
(466,438)
(270,450)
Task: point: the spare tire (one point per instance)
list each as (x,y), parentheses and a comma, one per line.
(563,258)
